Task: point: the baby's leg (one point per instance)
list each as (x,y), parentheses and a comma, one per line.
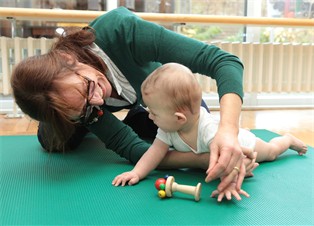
(278,145)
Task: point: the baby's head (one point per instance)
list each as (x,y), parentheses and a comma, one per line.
(176,85)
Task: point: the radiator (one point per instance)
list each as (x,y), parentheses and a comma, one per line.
(271,67)
(268,67)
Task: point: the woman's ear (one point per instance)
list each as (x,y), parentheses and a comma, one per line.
(68,58)
(181,118)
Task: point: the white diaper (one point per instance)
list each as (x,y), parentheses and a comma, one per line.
(247,139)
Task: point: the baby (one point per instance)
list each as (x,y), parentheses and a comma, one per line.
(173,97)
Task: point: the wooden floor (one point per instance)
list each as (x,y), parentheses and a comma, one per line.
(297,122)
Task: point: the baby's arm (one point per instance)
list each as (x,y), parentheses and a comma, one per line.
(148,162)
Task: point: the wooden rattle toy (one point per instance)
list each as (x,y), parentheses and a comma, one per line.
(167,186)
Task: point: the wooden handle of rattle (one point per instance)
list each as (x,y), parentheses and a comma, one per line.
(172,186)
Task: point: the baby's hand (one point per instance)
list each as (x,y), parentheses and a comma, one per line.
(228,192)
(123,178)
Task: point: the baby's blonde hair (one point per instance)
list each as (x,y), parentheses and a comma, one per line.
(178,84)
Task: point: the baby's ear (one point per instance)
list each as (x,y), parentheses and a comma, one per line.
(181,118)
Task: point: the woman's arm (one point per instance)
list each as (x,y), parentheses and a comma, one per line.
(119,137)
(153,43)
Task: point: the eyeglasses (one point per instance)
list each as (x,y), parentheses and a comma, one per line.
(88,108)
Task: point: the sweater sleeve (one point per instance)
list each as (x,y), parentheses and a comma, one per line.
(119,137)
(149,42)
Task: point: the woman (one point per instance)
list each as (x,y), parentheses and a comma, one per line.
(90,73)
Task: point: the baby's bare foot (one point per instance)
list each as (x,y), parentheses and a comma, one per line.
(297,145)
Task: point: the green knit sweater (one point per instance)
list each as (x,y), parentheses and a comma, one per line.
(137,47)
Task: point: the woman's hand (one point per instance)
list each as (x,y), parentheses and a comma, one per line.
(225,155)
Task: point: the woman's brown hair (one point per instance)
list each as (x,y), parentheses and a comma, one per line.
(34,82)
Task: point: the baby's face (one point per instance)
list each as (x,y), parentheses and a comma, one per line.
(160,112)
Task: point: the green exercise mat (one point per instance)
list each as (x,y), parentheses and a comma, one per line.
(75,188)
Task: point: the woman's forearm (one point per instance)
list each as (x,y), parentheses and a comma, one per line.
(230,110)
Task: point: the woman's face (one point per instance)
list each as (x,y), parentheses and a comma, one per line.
(88,81)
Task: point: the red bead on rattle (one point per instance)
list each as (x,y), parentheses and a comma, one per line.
(166,187)
(160,184)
